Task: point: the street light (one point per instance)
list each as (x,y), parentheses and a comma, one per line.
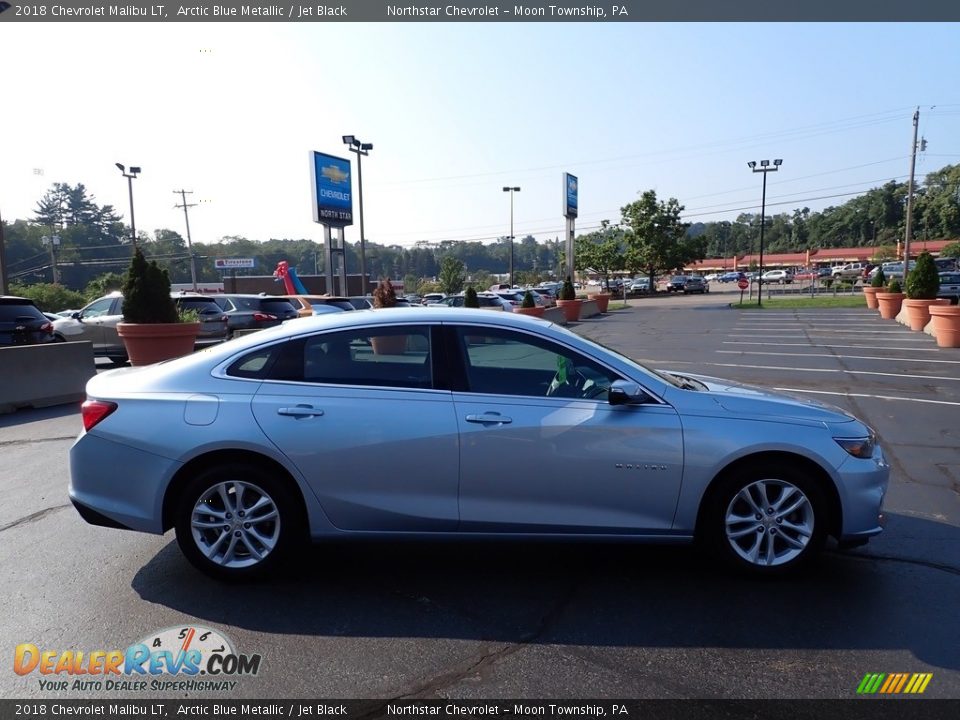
(361,149)
(764,168)
(511,190)
(134,171)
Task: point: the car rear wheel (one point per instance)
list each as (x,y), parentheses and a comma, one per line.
(236,522)
(766,520)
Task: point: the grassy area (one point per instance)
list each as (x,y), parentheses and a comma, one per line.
(840,301)
(617,306)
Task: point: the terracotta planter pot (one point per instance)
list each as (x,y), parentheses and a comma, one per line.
(149,343)
(918,312)
(870,293)
(389,344)
(946,325)
(534,311)
(889,304)
(602,300)
(571,309)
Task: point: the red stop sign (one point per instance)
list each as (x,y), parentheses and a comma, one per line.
(743,284)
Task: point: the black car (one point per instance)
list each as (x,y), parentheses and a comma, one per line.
(254,312)
(213,321)
(22,323)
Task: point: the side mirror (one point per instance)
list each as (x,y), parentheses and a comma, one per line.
(77,315)
(625,392)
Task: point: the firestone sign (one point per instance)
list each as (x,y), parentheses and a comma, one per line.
(233,263)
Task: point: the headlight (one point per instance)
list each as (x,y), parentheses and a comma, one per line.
(858,447)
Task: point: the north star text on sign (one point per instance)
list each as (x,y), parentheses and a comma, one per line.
(322,11)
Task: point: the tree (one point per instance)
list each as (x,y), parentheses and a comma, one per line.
(658,239)
(600,251)
(951,250)
(452,275)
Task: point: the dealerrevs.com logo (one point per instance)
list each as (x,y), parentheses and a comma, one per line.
(173,659)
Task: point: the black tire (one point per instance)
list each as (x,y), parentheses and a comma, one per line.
(118,361)
(283,534)
(771,534)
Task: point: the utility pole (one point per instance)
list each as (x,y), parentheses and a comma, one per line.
(913,164)
(193,258)
(4,286)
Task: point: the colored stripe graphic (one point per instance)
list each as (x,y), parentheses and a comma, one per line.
(894,683)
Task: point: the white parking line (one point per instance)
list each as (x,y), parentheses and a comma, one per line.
(828,355)
(862,347)
(866,395)
(825,370)
(816,331)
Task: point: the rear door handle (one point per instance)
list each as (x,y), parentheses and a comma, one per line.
(489,419)
(300,411)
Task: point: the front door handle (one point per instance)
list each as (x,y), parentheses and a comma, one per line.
(490,418)
(300,411)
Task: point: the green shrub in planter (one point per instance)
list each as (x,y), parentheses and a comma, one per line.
(879,280)
(894,286)
(528,301)
(146,293)
(923,282)
(470,298)
(567,292)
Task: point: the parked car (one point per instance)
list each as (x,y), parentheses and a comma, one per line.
(891,270)
(950,287)
(22,323)
(946,264)
(312,417)
(515,297)
(639,285)
(307,305)
(254,312)
(97,322)
(695,284)
(780,277)
(432,298)
(805,274)
(677,283)
(729,277)
(850,271)
(486,300)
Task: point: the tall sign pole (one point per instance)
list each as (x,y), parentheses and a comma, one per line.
(570,208)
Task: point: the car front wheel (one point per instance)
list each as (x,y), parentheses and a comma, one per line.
(236,522)
(766,520)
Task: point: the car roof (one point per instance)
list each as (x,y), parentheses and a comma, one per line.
(16,300)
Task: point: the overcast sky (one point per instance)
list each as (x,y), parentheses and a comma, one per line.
(457,111)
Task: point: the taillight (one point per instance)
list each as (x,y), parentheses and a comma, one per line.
(47,327)
(93,411)
(263,317)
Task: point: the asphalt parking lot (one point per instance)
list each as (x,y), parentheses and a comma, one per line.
(401,620)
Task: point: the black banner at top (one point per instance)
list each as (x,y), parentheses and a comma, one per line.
(474,11)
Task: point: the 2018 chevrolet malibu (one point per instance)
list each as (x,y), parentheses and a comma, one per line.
(381,424)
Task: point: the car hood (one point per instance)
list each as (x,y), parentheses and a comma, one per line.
(755,401)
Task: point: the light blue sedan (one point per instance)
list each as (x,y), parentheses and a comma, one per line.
(455,423)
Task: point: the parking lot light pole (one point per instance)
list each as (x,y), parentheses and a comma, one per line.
(134,171)
(511,190)
(764,168)
(361,149)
